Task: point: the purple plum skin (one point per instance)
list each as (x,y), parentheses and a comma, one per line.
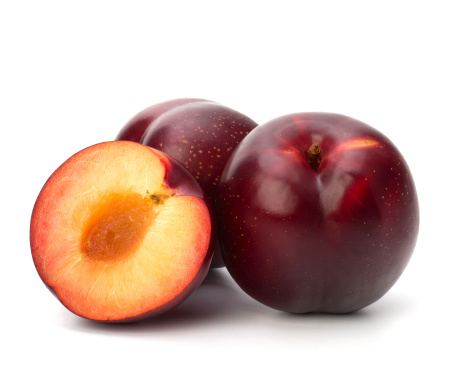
(331,239)
(137,125)
(200,134)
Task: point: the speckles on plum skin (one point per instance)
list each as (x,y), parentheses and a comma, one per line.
(212,133)
(381,243)
(198,135)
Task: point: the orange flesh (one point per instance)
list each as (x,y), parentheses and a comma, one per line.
(111,239)
(117,227)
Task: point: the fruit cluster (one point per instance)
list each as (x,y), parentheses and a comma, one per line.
(309,212)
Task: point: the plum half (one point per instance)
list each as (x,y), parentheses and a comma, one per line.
(121,232)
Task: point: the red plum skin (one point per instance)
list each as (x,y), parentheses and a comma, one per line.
(333,238)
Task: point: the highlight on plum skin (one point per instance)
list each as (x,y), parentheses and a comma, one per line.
(121,232)
(318,212)
(201,134)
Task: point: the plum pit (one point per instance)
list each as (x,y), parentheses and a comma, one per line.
(117,226)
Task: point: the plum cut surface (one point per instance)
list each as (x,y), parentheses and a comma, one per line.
(118,226)
(120,231)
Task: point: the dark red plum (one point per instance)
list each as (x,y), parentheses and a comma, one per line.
(317,212)
(201,134)
(137,125)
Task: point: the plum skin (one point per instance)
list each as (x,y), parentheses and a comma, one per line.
(134,129)
(330,239)
(201,134)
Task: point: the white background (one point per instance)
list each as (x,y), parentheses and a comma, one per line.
(72,73)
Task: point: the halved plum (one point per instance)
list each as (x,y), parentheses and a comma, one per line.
(121,231)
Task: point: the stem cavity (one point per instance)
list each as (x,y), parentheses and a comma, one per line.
(314,156)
